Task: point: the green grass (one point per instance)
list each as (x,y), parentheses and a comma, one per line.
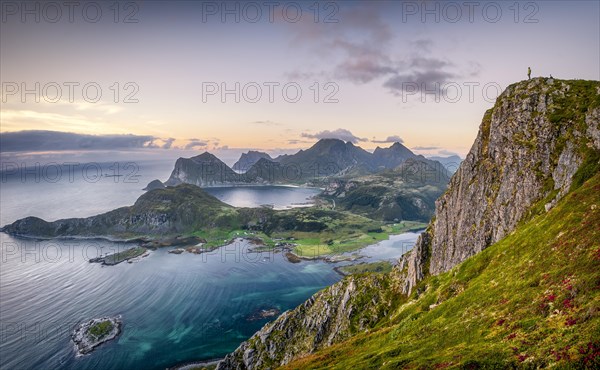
(531,300)
(346,239)
(101,329)
(216,237)
(361,268)
(119,257)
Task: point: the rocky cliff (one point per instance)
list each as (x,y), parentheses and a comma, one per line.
(539,141)
(528,152)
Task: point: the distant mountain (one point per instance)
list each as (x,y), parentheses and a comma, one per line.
(326,159)
(451,162)
(393,156)
(203,170)
(407,192)
(248,159)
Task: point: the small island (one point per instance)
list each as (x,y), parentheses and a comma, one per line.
(90,334)
(116,258)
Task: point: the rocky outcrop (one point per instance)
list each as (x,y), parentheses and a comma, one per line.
(154,184)
(527,152)
(330,316)
(90,334)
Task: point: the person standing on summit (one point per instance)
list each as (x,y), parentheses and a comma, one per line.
(529,73)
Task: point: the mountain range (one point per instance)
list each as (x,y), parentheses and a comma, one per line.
(326,159)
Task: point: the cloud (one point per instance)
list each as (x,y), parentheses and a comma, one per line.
(390,139)
(359,51)
(364,69)
(40,140)
(422,44)
(168,143)
(266,123)
(425,148)
(430,80)
(195,143)
(447,153)
(340,133)
(298,141)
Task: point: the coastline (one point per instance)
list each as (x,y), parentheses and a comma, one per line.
(196,364)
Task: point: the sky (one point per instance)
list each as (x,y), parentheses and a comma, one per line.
(183,77)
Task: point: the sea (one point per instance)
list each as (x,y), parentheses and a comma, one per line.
(175,309)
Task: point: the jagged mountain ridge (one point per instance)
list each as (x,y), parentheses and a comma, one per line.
(546,128)
(325,159)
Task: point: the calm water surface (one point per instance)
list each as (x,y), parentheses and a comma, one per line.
(175,308)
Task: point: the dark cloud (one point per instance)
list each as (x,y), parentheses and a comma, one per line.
(428,63)
(390,139)
(364,69)
(360,53)
(195,143)
(340,133)
(40,140)
(424,80)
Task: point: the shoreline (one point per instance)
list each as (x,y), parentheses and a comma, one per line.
(195,364)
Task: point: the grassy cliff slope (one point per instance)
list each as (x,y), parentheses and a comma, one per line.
(530,300)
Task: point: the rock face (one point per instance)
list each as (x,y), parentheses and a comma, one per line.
(538,141)
(248,159)
(330,316)
(527,151)
(203,170)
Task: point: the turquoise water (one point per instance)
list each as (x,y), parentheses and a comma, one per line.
(175,308)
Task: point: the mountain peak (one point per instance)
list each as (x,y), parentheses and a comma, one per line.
(204,157)
(249,158)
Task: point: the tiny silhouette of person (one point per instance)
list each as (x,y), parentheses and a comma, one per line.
(529,73)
